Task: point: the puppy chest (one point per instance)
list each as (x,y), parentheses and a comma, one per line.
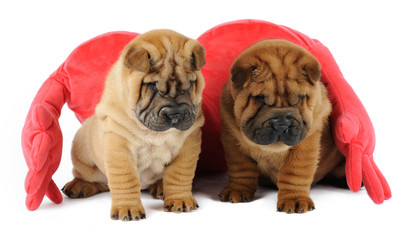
(151,161)
(270,165)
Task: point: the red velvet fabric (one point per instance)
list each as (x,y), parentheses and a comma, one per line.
(80,79)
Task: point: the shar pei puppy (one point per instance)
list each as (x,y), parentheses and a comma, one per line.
(146,130)
(275,126)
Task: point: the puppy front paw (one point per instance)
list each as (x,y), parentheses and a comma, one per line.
(156,190)
(127,212)
(234,195)
(180,205)
(296,205)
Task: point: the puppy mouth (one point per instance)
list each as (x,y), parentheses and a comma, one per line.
(282,128)
(180,117)
(265,136)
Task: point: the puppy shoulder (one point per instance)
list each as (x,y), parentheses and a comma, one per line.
(226,102)
(325,107)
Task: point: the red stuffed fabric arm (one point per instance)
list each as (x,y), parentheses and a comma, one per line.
(79,81)
(86,68)
(353,129)
(42,141)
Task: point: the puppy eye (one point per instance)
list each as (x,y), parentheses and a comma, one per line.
(151,85)
(260,98)
(303,96)
(187,91)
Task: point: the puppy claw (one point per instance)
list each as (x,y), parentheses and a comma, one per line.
(234,196)
(178,205)
(78,188)
(156,190)
(127,213)
(299,205)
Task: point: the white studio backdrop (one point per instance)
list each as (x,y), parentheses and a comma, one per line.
(370,40)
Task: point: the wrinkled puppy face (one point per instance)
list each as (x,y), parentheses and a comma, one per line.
(167,65)
(275,88)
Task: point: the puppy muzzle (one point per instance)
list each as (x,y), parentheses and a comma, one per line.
(282,128)
(178,117)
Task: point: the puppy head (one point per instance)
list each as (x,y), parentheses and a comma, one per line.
(165,84)
(277,93)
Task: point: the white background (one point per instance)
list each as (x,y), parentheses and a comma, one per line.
(371,41)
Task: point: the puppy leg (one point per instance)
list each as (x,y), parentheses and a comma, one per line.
(296,176)
(337,176)
(243,178)
(156,189)
(242,170)
(331,166)
(123,180)
(178,176)
(78,188)
(89,179)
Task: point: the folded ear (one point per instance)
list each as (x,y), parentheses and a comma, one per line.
(311,68)
(241,72)
(196,54)
(137,58)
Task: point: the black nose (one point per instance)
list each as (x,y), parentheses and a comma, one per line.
(174,115)
(175,118)
(281,123)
